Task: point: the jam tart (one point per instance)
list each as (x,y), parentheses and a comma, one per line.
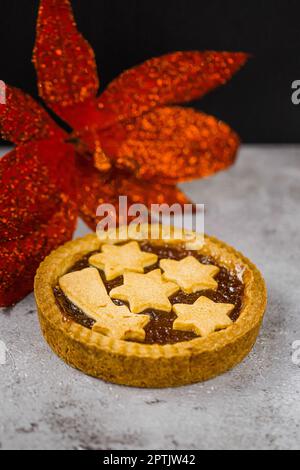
(150,312)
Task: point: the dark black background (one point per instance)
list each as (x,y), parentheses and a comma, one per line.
(257,103)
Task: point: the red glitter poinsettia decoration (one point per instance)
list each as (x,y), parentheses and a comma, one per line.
(131,140)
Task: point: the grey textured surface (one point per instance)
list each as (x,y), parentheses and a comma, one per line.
(47,405)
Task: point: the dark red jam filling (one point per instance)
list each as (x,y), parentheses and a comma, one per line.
(160,328)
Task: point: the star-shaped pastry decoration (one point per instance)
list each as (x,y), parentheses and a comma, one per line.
(190,275)
(86,290)
(119,323)
(115,260)
(203,317)
(144,291)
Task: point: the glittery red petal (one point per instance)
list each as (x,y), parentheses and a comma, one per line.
(23,119)
(172,79)
(96,190)
(35,180)
(65,62)
(38,211)
(20,258)
(172,145)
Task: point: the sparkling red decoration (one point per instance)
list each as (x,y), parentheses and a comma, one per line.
(131,141)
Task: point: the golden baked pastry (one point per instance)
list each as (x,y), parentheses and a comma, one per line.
(165,315)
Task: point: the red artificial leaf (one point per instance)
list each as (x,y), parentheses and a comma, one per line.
(35,179)
(23,119)
(21,258)
(171,145)
(64,61)
(171,79)
(38,211)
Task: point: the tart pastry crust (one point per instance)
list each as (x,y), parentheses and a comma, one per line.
(143,365)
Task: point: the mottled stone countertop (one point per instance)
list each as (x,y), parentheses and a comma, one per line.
(47,405)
